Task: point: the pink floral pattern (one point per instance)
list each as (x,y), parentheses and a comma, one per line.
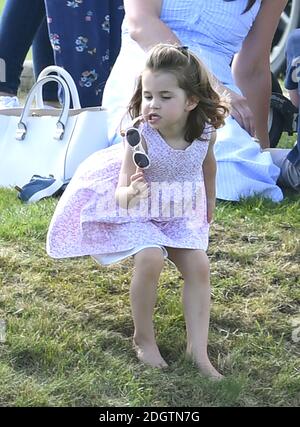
(87,221)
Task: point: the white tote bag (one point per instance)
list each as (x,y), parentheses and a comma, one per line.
(49,141)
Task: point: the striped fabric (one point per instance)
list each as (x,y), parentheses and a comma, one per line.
(214,29)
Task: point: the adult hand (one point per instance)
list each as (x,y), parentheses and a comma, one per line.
(241,112)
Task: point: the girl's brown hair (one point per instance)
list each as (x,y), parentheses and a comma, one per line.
(194,79)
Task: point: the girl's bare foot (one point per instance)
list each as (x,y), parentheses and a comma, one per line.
(206,367)
(209,371)
(149,354)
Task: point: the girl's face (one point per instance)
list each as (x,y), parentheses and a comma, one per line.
(165,105)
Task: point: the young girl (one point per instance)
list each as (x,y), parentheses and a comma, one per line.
(113,208)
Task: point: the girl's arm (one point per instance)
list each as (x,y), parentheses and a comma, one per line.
(131,184)
(251,66)
(144,24)
(209,175)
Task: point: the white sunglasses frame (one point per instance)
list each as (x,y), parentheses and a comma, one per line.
(137,148)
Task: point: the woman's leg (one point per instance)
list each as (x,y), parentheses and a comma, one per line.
(278,155)
(116,18)
(194,267)
(290,170)
(19,23)
(148,266)
(42,57)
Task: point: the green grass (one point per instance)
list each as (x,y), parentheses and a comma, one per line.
(69,327)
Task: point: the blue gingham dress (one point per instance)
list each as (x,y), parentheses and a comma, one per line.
(215,31)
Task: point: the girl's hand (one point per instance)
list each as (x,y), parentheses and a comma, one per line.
(211,204)
(138,187)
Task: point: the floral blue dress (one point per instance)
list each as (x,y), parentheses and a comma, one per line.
(85,36)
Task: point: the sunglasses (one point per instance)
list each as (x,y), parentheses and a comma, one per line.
(140,158)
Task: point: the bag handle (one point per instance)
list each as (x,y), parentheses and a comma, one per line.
(62,121)
(69,80)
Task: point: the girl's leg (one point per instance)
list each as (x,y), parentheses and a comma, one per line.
(194,267)
(19,23)
(148,266)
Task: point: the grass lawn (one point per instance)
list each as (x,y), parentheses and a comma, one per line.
(68,331)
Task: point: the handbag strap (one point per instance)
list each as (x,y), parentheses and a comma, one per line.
(62,121)
(69,80)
